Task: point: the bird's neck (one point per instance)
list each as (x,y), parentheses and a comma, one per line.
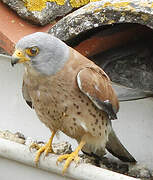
(29,70)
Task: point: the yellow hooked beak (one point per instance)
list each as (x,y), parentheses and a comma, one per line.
(19,57)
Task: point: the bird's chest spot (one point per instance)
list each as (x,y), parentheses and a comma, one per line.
(50,108)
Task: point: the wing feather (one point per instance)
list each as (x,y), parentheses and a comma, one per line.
(25,94)
(95,83)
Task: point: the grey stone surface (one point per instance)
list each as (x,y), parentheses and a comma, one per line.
(92,15)
(96,14)
(47,15)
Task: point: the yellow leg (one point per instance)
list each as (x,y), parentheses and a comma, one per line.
(70,157)
(47,148)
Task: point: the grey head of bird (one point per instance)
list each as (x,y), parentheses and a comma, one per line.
(44,52)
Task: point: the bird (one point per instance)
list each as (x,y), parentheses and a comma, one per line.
(69,93)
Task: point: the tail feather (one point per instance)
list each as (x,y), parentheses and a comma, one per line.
(115,147)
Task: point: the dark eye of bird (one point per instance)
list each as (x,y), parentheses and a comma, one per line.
(34,50)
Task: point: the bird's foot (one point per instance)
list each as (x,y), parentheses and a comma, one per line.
(47,148)
(69,158)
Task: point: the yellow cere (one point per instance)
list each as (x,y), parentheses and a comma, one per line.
(18,53)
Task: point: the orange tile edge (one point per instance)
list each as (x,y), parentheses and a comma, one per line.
(12,28)
(98,43)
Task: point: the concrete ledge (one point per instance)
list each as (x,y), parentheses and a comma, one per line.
(20,153)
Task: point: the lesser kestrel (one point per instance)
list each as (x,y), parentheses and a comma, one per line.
(71,94)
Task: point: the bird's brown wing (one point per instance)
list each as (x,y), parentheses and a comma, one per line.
(25,94)
(95,84)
